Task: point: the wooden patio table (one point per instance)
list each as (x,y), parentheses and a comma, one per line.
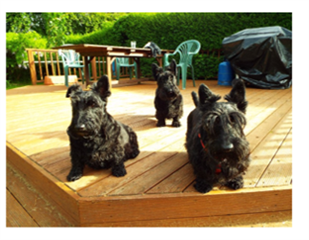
(89,51)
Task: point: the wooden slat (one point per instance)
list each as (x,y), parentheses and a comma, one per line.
(279,171)
(177,182)
(46,66)
(40,66)
(16,215)
(267,150)
(58,65)
(267,219)
(52,63)
(32,67)
(150,178)
(176,206)
(47,190)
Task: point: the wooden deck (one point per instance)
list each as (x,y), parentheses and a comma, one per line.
(158,188)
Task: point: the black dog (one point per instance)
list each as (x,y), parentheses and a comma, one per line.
(168,100)
(96,138)
(216,144)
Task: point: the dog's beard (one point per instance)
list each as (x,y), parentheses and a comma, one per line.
(238,154)
(165,96)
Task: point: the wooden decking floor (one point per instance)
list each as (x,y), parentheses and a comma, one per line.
(158,188)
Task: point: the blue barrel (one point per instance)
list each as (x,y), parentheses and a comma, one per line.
(225,74)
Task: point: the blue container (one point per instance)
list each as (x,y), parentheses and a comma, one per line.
(226,74)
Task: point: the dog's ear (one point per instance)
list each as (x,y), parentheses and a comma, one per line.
(72,89)
(103,87)
(206,95)
(238,95)
(156,70)
(173,67)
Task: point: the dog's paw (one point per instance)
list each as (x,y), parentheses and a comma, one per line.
(119,171)
(135,153)
(235,183)
(74,176)
(202,186)
(176,124)
(161,124)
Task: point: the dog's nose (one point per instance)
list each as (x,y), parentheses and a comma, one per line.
(171,92)
(81,127)
(227,147)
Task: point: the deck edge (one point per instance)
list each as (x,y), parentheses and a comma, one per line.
(57,193)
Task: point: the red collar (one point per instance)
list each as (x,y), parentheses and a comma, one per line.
(218,169)
(203,145)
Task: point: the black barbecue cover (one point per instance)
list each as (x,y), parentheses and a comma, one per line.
(261,56)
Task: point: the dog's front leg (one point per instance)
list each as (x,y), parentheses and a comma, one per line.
(77,169)
(235,183)
(118,168)
(176,122)
(202,185)
(161,122)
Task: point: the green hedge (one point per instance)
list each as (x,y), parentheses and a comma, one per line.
(168,30)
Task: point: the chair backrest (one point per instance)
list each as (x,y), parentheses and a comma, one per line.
(187,49)
(122,60)
(69,57)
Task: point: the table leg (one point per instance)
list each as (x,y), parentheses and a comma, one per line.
(159,60)
(139,72)
(109,62)
(87,62)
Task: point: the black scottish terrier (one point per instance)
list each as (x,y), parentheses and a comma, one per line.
(168,100)
(215,141)
(96,138)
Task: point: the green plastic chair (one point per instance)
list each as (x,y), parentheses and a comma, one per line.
(70,59)
(186,50)
(124,62)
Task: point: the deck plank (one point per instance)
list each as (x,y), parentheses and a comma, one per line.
(267,150)
(279,171)
(16,215)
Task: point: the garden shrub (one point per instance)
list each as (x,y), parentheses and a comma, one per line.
(16,55)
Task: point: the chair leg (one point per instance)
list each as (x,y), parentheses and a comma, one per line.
(66,76)
(184,77)
(130,71)
(83,79)
(117,71)
(193,79)
(136,72)
(178,75)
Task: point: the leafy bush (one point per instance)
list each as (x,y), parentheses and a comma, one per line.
(16,55)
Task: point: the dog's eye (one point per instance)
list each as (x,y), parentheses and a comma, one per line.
(232,119)
(217,120)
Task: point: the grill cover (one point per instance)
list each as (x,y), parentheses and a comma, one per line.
(261,56)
